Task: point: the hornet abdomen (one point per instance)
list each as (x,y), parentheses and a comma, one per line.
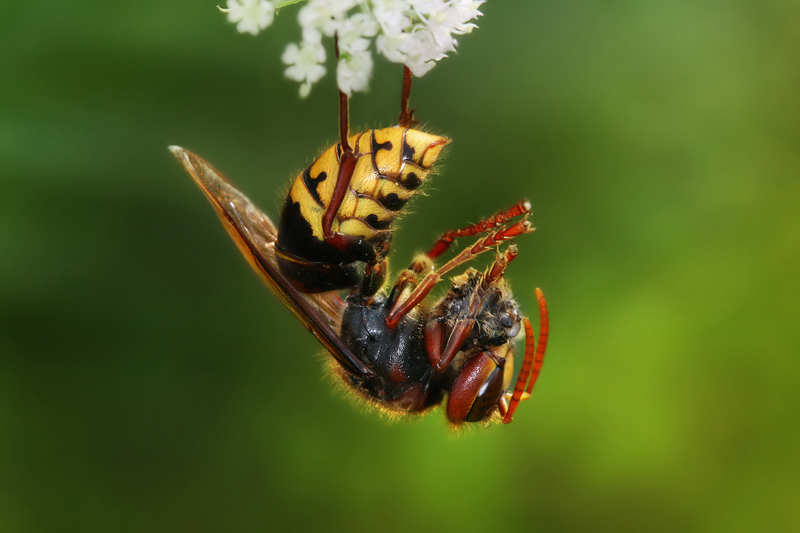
(391,165)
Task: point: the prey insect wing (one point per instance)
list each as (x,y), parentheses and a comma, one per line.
(255,236)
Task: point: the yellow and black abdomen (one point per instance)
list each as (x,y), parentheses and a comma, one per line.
(391,164)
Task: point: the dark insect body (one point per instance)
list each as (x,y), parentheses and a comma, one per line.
(392,346)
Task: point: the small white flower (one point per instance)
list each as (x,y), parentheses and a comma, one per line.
(324,15)
(362,24)
(352,32)
(391,15)
(467,10)
(391,46)
(354,70)
(445,18)
(423,49)
(250,16)
(305,64)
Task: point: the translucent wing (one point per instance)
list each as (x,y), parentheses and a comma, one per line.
(255,235)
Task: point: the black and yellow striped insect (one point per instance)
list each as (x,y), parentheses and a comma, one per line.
(393,347)
(339,214)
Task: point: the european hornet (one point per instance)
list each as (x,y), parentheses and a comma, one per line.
(394,347)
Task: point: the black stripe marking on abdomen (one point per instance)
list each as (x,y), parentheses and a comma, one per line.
(313,183)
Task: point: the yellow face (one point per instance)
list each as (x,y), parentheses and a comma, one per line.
(392,163)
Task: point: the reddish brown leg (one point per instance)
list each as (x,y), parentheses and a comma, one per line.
(406,115)
(357,248)
(412,275)
(434,334)
(544,332)
(497,237)
(421,263)
(344,107)
(444,242)
(347,165)
(532,364)
(347,162)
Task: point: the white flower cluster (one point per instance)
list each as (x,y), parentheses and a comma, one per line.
(417,33)
(250,16)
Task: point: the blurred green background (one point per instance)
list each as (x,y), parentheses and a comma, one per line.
(149,382)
